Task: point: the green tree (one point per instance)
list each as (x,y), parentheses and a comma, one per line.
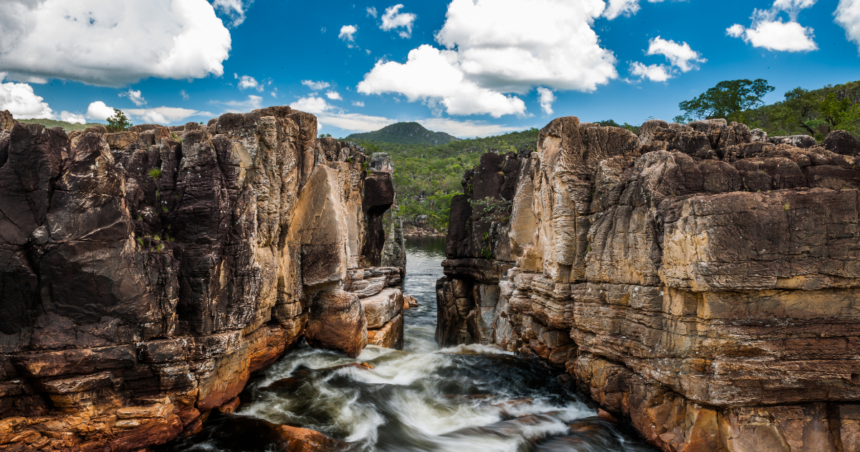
(726,100)
(118,122)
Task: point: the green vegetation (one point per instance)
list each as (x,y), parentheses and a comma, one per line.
(611,123)
(155,173)
(811,112)
(726,100)
(403,133)
(51,123)
(426,177)
(802,112)
(118,122)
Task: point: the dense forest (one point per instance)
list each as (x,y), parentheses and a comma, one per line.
(810,112)
(427,176)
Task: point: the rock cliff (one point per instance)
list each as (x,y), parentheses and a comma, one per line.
(145,274)
(700,280)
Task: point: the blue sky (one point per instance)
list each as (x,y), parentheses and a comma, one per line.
(477,67)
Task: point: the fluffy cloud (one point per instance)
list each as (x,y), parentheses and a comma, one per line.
(311,104)
(848,17)
(394,19)
(22,101)
(358,104)
(546,98)
(465,128)
(184,95)
(103,42)
(316,86)
(494,48)
(73,118)
(99,110)
(653,72)
(770,31)
(333,95)
(435,77)
(679,55)
(616,8)
(371,11)
(347,33)
(134,96)
(233,9)
(164,115)
(248,82)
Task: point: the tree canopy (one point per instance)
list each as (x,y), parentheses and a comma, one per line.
(118,122)
(726,100)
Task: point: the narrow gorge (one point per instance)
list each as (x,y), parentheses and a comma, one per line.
(700,281)
(245,285)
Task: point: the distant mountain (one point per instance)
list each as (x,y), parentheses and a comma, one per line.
(51,123)
(404,133)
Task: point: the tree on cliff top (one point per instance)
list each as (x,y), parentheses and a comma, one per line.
(118,122)
(726,100)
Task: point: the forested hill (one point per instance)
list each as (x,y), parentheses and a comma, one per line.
(427,177)
(404,133)
(810,112)
(50,123)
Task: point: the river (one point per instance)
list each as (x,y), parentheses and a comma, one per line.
(466,398)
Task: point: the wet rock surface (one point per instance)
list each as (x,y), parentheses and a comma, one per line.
(146,274)
(698,280)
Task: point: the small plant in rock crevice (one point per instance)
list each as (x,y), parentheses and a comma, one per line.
(155,173)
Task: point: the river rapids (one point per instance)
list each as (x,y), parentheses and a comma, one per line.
(461,399)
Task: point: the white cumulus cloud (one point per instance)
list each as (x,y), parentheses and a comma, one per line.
(679,55)
(653,72)
(493,49)
(358,104)
(769,31)
(248,82)
(135,96)
(316,86)
(99,110)
(616,8)
(112,42)
(164,115)
(848,17)
(347,33)
(233,9)
(546,98)
(22,101)
(311,104)
(393,19)
(333,95)
(73,118)
(371,11)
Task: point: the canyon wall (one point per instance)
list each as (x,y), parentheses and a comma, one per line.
(700,280)
(146,274)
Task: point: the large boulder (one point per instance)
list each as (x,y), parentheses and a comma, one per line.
(841,142)
(337,322)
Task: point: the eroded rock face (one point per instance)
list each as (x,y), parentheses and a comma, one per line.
(699,280)
(144,275)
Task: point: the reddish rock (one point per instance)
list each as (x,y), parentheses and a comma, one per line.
(389,336)
(337,322)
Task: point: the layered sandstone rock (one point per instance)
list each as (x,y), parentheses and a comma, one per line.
(700,280)
(144,275)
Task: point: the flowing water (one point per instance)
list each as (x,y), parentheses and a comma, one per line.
(466,398)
